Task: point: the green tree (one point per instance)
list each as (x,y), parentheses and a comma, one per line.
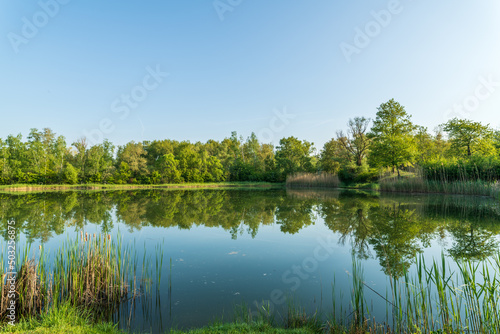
(293,155)
(166,166)
(99,166)
(392,138)
(356,141)
(190,162)
(70,174)
(425,145)
(333,156)
(79,157)
(122,174)
(468,138)
(134,155)
(5,171)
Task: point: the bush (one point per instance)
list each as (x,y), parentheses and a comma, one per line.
(357,174)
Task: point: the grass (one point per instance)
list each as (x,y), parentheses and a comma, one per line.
(247,328)
(92,271)
(69,320)
(312,180)
(92,186)
(62,319)
(415,183)
(409,182)
(432,300)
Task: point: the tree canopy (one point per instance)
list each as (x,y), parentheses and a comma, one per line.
(392,135)
(356,154)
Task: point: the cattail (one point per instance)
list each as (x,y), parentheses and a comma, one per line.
(85,239)
(40,247)
(94,235)
(109,236)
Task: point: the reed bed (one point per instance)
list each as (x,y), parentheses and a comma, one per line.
(94,272)
(417,183)
(312,180)
(431,300)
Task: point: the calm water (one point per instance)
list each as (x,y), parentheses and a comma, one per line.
(234,247)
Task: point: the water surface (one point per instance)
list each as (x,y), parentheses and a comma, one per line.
(235,247)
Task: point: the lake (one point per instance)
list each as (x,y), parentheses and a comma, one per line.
(224,248)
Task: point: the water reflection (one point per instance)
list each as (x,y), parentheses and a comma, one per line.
(390,228)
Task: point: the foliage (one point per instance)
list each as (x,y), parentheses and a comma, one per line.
(332,157)
(356,142)
(393,143)
(469,138)
(70,174)
(355,155)
(292,156)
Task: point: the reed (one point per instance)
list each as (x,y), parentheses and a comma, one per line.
(417,183)
(297,317)
(312,180)
(430,300)
(94,272)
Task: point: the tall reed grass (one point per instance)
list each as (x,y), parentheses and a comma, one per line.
(312,180)
(95,272)
(417,183)
(431,300)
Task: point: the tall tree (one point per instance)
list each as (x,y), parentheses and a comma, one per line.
(392,137)
(356,141)
(79,157)
(293,155)
(468,137)
(333,156)
(134,156)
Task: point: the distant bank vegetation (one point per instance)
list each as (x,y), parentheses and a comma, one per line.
(457,151)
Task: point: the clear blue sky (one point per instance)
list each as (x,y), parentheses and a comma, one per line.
(233,74)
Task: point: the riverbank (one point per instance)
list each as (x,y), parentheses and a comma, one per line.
(69,187)
(74,323)
(406,183)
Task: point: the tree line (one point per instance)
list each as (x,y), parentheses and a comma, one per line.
(356,154)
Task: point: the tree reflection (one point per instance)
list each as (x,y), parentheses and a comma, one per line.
(470,241)
(391,228)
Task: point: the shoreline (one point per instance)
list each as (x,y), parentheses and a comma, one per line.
(26,188)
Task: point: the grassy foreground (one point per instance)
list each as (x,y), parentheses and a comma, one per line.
(91,186)
(63,319)
(68,319)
